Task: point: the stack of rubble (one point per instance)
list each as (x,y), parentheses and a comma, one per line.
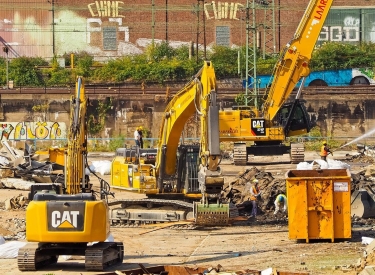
(238,190)
(365,264)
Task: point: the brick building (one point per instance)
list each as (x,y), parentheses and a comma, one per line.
(112,28)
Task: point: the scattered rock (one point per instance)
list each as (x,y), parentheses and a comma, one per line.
(17,202)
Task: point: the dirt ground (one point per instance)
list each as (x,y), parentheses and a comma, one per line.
(248,244)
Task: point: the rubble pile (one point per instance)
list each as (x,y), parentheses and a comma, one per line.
(238,190)
(366,264)
(14,229)
(363,158)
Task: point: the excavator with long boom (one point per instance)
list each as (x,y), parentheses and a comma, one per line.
(72,219)
(277,119)
(185,181)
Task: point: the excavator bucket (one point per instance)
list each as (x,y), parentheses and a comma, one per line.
(211,214)
(363,204)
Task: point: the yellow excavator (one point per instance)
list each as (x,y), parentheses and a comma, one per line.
(174,175)
(182,181)
(277,119)
(70,219)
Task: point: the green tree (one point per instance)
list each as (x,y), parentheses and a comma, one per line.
(25,72)
(334,56)
(224,60)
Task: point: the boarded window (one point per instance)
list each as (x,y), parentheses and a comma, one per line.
(223,36)
(109,38)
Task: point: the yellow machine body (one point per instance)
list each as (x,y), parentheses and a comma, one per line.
(86,222)
(163,179)
(319,204)
(57,155)
(64,224)
(125,175)
(237,125)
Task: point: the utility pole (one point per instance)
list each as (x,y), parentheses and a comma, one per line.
(197,33)
(6,50)
(153,22)
(204,29)
(251,57)
(166,21)
(254,41)
(53,27)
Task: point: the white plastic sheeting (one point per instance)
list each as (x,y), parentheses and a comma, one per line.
(321,164)
(9,250)
(101,166)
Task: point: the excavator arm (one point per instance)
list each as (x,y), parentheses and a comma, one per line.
(75,179)
(198,96)
(294,60)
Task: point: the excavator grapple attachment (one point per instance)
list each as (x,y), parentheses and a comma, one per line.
(211,214)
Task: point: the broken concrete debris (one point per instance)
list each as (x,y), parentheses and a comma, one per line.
(17,202)
(238,190)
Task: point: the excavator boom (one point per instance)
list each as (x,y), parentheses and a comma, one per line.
(295,58)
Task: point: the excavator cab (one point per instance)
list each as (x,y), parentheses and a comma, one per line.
(188,167)
(294,118)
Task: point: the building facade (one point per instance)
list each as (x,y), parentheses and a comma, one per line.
(112,28)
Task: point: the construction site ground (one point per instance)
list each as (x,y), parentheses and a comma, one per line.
(254,244)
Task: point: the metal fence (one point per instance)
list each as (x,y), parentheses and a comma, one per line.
(111,144)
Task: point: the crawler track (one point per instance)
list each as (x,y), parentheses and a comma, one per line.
(99,256)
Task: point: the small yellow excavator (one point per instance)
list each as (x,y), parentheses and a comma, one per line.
(70,220)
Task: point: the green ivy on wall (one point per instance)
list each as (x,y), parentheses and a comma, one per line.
(96,118)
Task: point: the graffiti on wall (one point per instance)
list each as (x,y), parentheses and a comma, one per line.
(351,25)
(32,130)
(349,31)
(222,10)
(108,11)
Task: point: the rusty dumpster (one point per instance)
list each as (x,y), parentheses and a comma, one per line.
(319,204)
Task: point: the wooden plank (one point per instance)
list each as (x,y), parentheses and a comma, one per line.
(163,225)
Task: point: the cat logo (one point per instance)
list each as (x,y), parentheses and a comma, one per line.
(258,127)
(66,219)
(66,216)
(258,123)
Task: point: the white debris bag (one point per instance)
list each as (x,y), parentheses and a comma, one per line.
(305,166)
(9,250)
(321,164)
(102,166)
(2,241)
